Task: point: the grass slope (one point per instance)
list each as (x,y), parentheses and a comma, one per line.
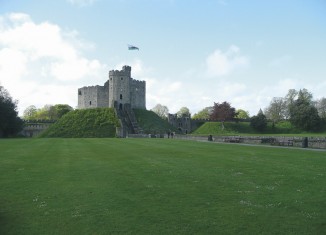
(244,128)
(159,186)
(99,122)
(151,123)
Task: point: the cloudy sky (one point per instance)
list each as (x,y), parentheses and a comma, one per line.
(192,52)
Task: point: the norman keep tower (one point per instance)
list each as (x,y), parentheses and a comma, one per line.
(119,90)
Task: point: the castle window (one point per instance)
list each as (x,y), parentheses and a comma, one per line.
(120,96)
(121,78)
(110,78)
(90,102)
(79,93)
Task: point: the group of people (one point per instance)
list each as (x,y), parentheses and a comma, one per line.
(170,133)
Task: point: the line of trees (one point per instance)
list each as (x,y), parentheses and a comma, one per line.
(163,111)
(48,112)
(298,107)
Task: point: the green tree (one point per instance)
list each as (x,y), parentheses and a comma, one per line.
(61,109)
(321,107)
(277,109)
(161,110)
(10,123)
(204,113)
(183,112)
(30,113)
(303,113)
(242,114)
(48,112)
(259,121)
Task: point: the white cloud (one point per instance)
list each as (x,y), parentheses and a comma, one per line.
(42,57)
(222,64)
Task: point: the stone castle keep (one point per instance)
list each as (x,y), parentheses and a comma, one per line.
(123,93)
(121,89)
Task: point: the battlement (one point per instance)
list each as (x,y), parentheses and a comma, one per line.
(89,87)
(138,81)
(126,71)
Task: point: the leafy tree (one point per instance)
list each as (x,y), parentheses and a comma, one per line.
(222,112)
(293,95)
(43,113)
(48,112)
(289,99)
(30,112)
(242,114)
(62,109)
(321,107)
(259,121)
(10,123)
(303,113)
(204,113)
(161,111)
(277,109)
(183,112)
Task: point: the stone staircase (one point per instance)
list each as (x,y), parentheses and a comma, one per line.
(128,120)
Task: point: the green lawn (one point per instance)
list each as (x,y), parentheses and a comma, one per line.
(159,186)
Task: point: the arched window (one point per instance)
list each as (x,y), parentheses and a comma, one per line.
(120,96)
(90,102)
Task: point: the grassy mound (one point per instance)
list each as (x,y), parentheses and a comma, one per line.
(151,123)
(99,122)
(234,128)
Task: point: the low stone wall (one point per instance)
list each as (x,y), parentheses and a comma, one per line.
(310,142)
(299,142)
(145,136)
(33,129)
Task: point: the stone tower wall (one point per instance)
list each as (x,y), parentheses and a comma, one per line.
(138,94)
(93,97)
(87,97)
(119,82)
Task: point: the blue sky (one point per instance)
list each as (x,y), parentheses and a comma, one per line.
(192,52)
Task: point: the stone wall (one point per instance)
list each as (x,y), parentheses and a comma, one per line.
(93,97)
(183,124)
(138,94)
(32,129)
(312,142)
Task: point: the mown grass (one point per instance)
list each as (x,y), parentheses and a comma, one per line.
(159,186)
